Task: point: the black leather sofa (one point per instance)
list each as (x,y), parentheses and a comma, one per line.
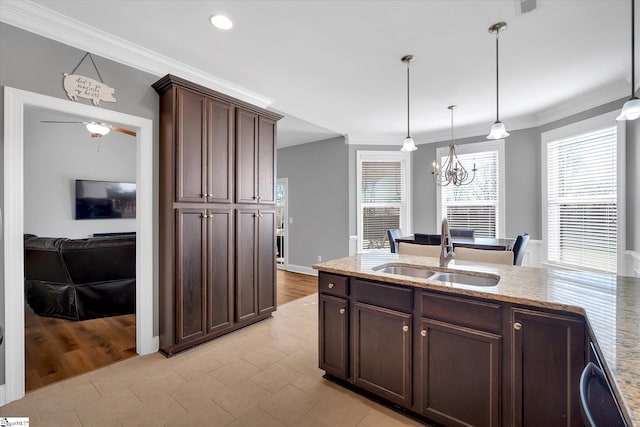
(79,279)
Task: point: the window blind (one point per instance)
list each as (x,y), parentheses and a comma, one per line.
(475,205)
(382,198)
(582,200)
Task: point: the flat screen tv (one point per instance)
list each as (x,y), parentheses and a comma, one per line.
(105,199)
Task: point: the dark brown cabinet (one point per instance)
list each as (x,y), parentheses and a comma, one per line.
(256,158)
(216,261)
(334,337)
(255,256)
(548,356)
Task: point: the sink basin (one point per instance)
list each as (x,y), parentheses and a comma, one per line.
(480,279)
(404,270)
(466,279)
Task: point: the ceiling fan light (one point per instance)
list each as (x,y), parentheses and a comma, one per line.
(630,110)
(97,128)
(221,22)
(498,131)
(408,145)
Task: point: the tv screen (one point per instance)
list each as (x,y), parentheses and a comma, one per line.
(105,199)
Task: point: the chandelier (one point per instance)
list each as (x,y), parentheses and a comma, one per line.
(452,171)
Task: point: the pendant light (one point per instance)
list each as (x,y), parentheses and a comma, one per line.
(631,108)
(498,131)
(408,144)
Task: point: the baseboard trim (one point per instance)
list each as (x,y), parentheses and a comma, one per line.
(302,270)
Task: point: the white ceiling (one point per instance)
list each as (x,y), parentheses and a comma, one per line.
(333,67)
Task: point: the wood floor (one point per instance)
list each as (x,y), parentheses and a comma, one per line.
(56,349)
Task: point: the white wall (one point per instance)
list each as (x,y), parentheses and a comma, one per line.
(55,155)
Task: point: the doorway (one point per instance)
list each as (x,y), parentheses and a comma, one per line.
(282,223)
(16,101)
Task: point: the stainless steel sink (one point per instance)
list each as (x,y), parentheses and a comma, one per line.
(479,279)
(466,279)
(404,270)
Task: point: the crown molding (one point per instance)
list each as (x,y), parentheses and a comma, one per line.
(39,20)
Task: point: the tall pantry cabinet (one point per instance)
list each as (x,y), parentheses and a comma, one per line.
(216,214)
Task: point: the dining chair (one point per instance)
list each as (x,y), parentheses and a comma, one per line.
(483,255)
(597,403)
(519,248)
(392,235)
(427,239)
(462,232)
(405,248)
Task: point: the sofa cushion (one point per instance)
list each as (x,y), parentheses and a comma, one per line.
(99,259)
(42,260)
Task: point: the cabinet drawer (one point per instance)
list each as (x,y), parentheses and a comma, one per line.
(333,284)
(462,311)
(389,296)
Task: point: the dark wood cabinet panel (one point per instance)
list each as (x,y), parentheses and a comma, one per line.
(191,147)
(190,274)
(547,359)
(334,335)
(266,252)
(382,352)
(246,291)
(459,375)
(266,160)
(219,269)
(246,156)
(220,153)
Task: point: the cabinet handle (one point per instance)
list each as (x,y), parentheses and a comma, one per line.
(331,285)
(204,216)
(423,333)
(202,196)
(259,198)
(342,310)
(517,326)
(405,328)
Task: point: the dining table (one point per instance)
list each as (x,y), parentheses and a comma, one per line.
(487,243)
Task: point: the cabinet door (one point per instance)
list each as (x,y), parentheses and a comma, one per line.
(334,335)
(191,147)
(266,280)
(219,269)
(382,352)
(220,171)
(548,357)
(459,374)
(190,289)
(246,160)
(246,260)
(266,160)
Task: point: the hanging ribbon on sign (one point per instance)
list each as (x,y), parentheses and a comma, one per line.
(78,86)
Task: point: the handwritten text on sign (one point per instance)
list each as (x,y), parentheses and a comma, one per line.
(78,86)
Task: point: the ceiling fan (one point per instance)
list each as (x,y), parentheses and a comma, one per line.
(96,129)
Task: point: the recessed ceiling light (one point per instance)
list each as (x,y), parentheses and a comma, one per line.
(221,21)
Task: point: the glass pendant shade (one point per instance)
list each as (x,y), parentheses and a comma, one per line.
(408,145)
(97,128)
(630,110)
(498,131)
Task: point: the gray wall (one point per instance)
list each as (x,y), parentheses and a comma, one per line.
(36,64)
(318,200)
(55,155)
(633,185)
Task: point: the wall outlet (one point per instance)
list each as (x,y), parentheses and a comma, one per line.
(319,258)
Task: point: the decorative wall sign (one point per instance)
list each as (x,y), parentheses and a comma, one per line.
(78,86)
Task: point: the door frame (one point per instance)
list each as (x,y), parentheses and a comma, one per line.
(15,102)
(285,215)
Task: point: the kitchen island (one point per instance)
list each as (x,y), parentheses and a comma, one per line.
(470,342)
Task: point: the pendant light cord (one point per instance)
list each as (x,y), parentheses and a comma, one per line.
(408,114)
(633,61)
(497,79)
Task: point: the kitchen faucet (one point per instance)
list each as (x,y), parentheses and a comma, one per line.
(446,246)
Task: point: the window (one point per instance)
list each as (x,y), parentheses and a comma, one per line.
(383,197)
(580,172)
(479,205)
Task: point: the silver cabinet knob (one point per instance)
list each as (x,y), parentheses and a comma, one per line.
(342,310)
(517,326)
(423,333)
(405,328)
(331,285)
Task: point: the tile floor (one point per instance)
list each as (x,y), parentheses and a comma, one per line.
(263,375)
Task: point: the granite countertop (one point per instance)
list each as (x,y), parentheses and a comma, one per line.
(609,303)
